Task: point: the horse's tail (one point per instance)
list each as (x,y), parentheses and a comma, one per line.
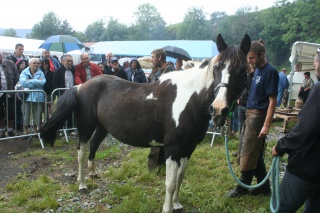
(62,110)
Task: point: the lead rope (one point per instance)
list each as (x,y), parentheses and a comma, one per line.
(274,172)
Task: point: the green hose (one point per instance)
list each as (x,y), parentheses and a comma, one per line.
(274,172)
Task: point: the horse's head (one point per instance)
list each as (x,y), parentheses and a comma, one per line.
(229,70)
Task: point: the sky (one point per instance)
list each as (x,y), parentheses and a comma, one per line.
(21,14)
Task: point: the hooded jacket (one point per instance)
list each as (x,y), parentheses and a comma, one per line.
(136,75)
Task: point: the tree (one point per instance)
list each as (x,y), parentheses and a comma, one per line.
(149,24)
(10,33)
(50,25)
(95,30)
(66,29)
(194,26)
(115,31)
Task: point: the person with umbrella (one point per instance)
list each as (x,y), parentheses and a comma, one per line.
(85,70)
(156,156)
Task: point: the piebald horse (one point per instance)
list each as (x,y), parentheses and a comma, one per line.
(172,112)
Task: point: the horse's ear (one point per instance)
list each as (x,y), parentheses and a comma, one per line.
(221,45)
(245,44)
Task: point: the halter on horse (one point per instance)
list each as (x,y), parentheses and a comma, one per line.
(172,112)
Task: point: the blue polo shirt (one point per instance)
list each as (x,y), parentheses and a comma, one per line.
(264,84)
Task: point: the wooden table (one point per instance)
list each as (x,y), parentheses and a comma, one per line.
(286,118)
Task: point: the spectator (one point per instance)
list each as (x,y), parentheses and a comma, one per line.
(21,65)
(85,70)
(179,65)
(282,86)
(107,63)
(301,181)
(189,65)
(9,77)
(156,156)
(305,87)
(261,105)
(101,67)
(48,86)
(54,63)
(116,69)
(125,65)
(158,57)
(33,79)
(18,54)
(135,73)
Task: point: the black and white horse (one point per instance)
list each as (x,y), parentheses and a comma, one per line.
(172,112)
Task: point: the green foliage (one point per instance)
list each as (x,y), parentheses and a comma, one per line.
(115,31)
(50,25)
(95,30)
(10,33)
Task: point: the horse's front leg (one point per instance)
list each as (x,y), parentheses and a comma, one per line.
(171,182)
(177,207)
(81,156)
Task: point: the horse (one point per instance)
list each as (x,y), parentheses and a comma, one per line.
(172,113)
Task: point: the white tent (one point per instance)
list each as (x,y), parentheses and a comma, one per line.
(302,56)
(31,46)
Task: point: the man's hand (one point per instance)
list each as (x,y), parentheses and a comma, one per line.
(274,152)
(264,132)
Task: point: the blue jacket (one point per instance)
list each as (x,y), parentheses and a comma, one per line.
(283,82)
(138,75)
(33,83)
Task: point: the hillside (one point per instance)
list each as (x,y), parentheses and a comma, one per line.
(20,32)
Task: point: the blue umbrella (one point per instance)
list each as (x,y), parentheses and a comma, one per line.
(62,43)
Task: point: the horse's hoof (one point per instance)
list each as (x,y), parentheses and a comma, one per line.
(83,191)
(179,211)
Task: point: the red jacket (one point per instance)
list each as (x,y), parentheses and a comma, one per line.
(80,75)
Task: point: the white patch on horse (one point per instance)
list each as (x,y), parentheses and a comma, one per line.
(180,176)
(188,82)
(220,101)
(81,156)
(150,97)
(155,143)
(171,181)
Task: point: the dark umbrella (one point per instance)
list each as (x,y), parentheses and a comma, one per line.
(176,52)
(62,43)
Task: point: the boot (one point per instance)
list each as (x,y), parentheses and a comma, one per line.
(263,190)
(246,178)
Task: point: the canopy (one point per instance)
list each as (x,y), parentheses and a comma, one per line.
(302,56)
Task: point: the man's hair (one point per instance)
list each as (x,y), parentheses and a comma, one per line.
(258,47)
(19,45)
(160,52)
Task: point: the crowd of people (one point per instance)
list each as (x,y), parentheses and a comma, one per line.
(47,73)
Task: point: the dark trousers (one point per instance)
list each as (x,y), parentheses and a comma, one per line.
(294,192)
(241,116)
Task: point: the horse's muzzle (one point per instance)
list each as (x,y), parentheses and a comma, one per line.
(219,118)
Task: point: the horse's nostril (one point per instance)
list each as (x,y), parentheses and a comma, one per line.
(211,110)
(225,111)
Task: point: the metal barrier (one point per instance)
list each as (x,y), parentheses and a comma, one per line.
(18,99)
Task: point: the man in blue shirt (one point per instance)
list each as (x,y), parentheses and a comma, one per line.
(282,86)
(261,105)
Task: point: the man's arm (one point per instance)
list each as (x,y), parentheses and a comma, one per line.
(271,108)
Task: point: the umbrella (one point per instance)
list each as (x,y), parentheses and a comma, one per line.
(176,52)
(62,43)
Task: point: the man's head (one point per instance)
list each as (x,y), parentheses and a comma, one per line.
(284,70)
(256,55)
(68,61)
(134,63)
(19,49)
(85,59)
(45,54)
(101,66)
(114,63)
(306,75)
(34,64)
(109,55)
(316,64)
(158,57)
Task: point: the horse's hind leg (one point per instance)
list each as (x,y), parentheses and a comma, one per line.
(95,142)
(171,183)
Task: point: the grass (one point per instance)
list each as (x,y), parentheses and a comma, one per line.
(132,188)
